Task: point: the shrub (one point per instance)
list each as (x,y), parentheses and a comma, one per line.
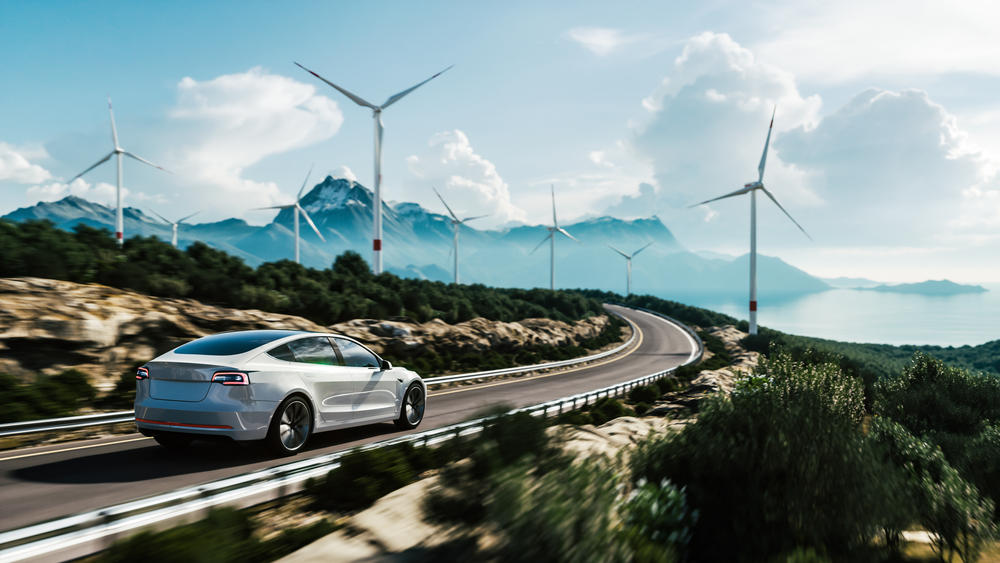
(657,521)
(644,394)
(757,465)
(364,476)
(607,408)
(933,494)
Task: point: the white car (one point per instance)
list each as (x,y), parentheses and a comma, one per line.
(273,385)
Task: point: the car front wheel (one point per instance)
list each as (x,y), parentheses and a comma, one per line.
(412,410)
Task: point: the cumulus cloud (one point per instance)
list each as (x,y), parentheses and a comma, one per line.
(705,128)
(101,192)
(237,120)
(469,182)
(16,166)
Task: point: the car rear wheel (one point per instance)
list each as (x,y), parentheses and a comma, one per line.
(412,410)
(291,426)
(173,440)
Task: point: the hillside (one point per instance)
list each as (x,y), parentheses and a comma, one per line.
(930,287)
(419,244)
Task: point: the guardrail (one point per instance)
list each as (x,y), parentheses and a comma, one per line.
(89,532)
(86,421)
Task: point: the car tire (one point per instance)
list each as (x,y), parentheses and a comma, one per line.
(291,426)
(173,440)
(411,412)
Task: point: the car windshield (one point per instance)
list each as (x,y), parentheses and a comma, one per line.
(232,343)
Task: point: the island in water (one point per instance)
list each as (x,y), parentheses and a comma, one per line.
(929,287)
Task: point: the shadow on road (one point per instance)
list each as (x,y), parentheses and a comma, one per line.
(151,461)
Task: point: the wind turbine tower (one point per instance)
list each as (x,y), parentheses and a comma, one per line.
(628,266)
(117,153)
(296,209)
(752,188)
(377,116)
(551,237)
(456,224)
(174,224)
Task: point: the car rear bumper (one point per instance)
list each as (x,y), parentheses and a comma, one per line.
(239,422)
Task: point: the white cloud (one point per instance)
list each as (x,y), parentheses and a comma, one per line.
(469,182)
(236,120)
(101,192)
(830,42)
(602,41)
(16,166)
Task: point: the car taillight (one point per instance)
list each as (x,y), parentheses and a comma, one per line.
(142,373)
(231,378)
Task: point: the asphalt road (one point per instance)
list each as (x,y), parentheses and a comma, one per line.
(47,482)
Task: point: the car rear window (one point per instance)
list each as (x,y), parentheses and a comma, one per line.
(232,343)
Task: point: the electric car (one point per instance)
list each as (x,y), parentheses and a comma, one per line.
(279,386)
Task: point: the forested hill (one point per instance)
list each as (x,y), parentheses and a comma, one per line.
(344,291)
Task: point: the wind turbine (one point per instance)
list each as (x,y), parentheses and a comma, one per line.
(117,152)
(628,266)
(174,224)
(456,223)
(377,115)
(551,237)
(296,209)
(752,188)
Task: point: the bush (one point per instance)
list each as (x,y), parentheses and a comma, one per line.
(365,476)
(44,397)
(658,521)
(767,468)
(644,394)
(931,492)
(226,535)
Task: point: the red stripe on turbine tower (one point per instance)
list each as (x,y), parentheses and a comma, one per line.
(377,244)
(753,305)
(118,235)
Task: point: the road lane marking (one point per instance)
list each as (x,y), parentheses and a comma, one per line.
(638,343)
(33,454)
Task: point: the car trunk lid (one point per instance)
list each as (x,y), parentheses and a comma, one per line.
(170,381)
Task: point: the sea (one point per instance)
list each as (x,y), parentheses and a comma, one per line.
(854,315)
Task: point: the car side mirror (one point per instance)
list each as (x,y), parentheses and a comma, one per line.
(386,365)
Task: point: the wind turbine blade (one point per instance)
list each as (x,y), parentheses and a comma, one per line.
(763,157)
(162,218)
(354,98)
(188,217)
(304,182)
(544,240)
(396,97)
(450,212)
(99,162)
(555,223)
(474,218)
(114,130)
(787,214)
(274,207)
(144,161)
(650,243)
(740,191)
(310,221)
(626,256)
(565,232)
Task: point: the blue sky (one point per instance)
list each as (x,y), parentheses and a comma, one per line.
(886,138)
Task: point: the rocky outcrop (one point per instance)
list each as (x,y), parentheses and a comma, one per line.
(475,335)
(47,326)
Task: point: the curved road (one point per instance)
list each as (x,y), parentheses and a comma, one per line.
(38,484)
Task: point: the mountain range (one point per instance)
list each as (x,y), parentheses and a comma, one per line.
(418,243)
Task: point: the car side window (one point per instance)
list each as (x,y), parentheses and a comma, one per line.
(282,352)
(314,350)
(356,355)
